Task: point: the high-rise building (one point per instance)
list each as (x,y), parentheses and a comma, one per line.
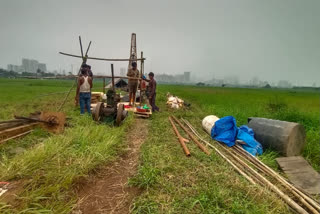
(28,65)
(42,67)
(186,76)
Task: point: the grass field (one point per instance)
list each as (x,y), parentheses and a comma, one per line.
(202,184)
(51,165)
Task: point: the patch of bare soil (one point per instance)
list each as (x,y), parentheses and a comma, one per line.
(107,191)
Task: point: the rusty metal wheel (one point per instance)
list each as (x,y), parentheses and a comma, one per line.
(119,114)
(97,110)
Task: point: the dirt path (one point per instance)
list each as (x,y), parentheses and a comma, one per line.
(107,191)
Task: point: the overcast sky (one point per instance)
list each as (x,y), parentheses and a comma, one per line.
(270,39)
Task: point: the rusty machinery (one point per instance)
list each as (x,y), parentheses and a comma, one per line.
(112,110)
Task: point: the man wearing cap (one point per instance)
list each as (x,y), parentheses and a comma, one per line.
(133,83)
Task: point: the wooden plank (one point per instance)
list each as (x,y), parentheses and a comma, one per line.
(7,133)
(300,173)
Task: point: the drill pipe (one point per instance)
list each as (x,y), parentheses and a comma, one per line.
(181,139)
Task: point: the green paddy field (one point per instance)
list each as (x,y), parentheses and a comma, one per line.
(50,165)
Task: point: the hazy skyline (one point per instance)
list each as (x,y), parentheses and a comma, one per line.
(269,39)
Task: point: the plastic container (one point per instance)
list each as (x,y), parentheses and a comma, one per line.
(208,123)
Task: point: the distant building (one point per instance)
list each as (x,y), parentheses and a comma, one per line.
(15,68)
(28,65)
(42,67)
(186,76)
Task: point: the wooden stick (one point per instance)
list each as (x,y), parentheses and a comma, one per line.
(88,49)
(181,139)
(16,136)
(191,136)
(81,47)
(103,59)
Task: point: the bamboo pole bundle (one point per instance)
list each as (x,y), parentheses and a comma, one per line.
(304,199)
(262,180)
(224,157)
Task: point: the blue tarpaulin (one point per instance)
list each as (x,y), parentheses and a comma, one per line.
(225,130)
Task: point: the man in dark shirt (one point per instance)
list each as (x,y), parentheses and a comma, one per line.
(152,91)
(90,74)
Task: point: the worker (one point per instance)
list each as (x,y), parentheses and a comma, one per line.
(90,74)
(133,83)
(83,94)
(151,92)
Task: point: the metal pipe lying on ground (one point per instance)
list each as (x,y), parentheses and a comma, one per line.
(191,136)
(271,186)
(224,157)
(181,139)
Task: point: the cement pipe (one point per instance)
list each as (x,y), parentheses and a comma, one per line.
(191,136)
(181,139)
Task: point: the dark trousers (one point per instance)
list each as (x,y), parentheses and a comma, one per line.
(152,102)
(85,100)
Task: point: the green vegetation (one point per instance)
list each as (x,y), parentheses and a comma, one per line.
(50,166)
(174,183)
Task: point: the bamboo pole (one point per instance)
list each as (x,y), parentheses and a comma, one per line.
(191,136)
(271,186)
(223,156)
(180,138)
(81,49)
(261,178)
(306,200)
(103,59)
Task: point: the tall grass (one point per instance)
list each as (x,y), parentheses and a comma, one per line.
(175,183)
(51,165)
(288,105)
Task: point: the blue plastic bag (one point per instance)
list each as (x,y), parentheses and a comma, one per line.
(225,130)
(252,146)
